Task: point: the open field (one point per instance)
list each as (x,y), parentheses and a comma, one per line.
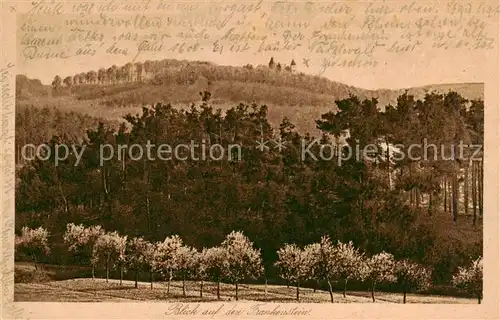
(88,290)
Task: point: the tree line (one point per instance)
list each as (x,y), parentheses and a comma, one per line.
(220,80)
(406,207)
(136,72)
(130,72)
(236,260)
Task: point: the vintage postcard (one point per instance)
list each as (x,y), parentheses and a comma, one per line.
(249,159)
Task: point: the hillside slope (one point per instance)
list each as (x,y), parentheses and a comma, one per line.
(298,96)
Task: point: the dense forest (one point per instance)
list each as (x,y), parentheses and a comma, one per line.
(406,207)
(37,125)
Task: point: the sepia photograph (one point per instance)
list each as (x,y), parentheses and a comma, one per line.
(214,197)
(284,155)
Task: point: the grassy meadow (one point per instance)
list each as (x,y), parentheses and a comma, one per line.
(41,285)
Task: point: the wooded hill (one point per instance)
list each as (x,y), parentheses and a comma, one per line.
(115,91)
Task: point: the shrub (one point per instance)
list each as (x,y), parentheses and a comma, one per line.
(23,274)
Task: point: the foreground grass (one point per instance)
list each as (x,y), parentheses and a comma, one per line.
(88,290)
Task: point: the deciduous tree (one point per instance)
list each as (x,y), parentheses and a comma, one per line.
(348,263)
(470,278)
(109,250)
(33,243)
(295,264)
(167,257)
(81,240)
(411,275)
(186,262)
(138,256)
(244,261)
(217,265)
(379,268)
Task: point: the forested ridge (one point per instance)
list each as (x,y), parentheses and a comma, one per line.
(120,85)
(427,211)
(116,90)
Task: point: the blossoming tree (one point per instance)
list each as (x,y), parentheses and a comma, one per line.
(322,256)
(470,278)
(199,268)
(348,263)
(294,264)
(33,243)
(109,250)
(138,257)
(216,265)
(243,261)
(81,240)
(411,275)
(167,257)
(379,268)
(185,257)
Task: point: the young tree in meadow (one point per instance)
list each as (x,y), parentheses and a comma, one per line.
(322,257)
(151,257)
(186,261)
(285,255)
(294,264)
(136,256)
(411,275)
(379,268)
(82,240)
(470,278)
(121,261)
(313,252)
(244,261)
(199,268)
(216,264)
(140,255)
(33,243)
(108,250)
(348,263)
(167,257)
